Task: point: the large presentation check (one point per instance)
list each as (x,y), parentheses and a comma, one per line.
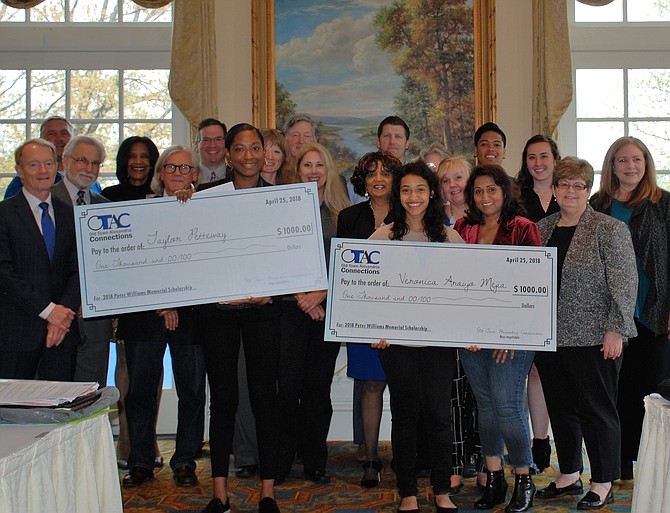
(159,253)
(417,293)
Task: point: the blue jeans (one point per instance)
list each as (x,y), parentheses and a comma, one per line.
(500,390)
(145,365)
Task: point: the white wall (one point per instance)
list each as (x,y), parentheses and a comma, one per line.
(514,56)
(233,48)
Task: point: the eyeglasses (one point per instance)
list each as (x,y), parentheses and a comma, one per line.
(86,162)
(576,186)
(184,169)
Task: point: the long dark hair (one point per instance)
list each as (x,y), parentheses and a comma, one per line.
(511,204)
(523,177)
(433,219)
(123,154)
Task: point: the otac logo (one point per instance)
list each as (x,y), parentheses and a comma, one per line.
(360,256)
(109,221)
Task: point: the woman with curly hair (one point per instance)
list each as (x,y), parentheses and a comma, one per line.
(372,178)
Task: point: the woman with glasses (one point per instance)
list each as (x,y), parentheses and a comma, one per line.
(498,376)
(146,335)
(372,178)
(596,301)
(628,192)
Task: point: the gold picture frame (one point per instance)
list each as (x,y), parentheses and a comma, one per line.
(263,61)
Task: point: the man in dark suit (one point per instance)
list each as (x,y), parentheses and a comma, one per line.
(82,158)
(39,282)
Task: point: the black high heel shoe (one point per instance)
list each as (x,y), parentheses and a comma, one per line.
(371,483)
(494,491)
(522,497)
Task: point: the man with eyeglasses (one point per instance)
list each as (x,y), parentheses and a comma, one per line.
(39,280)
(58,131)
(211,150)
(83,157)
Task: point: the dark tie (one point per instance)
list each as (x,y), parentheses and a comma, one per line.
(80,198)
(212,177)
(48,230)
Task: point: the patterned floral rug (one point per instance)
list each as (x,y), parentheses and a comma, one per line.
(342,495)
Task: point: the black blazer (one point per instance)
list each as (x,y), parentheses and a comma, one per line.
(28,281)
(94,329)
(358,221)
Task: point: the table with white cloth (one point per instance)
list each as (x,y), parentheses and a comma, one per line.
(64,468)
(651,493)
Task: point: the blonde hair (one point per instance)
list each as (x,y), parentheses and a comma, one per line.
(334,193)
(609,183)
(449,163)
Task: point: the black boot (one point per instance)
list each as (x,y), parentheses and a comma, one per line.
(522,497)
(494,492)
(541,453)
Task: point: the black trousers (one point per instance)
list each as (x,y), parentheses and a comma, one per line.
(306,368)
(645,365)
(220,339)
(580,388)
(420,381)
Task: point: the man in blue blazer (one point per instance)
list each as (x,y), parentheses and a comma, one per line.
(39,282)
(82,158)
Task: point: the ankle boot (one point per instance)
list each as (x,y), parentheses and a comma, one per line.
(494,491)
(541,453)
(522,497)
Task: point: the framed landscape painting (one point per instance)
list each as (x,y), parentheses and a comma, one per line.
(351,63)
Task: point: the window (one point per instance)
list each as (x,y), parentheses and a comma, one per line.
(621,73)
(104,66)
(92,11)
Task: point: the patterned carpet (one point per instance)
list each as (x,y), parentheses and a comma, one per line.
(342,495)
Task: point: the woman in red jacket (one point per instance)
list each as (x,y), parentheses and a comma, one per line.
(498,376)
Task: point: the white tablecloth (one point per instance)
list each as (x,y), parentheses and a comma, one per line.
(651,493)
(68,468)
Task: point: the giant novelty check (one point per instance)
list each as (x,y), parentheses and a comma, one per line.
(417,293)
(158,253)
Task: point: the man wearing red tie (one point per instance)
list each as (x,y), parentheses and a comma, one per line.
(39,282)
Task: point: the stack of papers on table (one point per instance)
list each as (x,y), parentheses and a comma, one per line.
(33,393)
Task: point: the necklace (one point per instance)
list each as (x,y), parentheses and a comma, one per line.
(378,216)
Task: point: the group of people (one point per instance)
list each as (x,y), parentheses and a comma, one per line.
(265,358)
